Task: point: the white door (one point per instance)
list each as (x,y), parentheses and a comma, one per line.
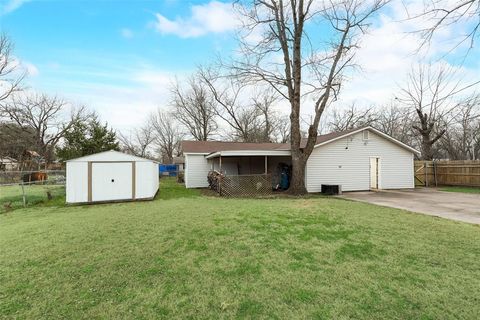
(111,181)
(374,170)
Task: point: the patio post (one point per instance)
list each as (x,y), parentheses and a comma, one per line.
(220,164)
(266,164)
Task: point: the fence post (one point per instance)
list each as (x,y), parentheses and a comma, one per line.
(23,195)
(426,175)
(220,185)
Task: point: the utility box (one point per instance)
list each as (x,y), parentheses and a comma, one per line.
(331,189)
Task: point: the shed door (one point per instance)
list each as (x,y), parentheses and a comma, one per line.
(374,167)
(112,181)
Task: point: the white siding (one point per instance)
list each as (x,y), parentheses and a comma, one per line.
(347,162)
(146,179)
(196,171)
(77,182)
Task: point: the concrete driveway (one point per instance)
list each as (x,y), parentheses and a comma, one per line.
(451,205)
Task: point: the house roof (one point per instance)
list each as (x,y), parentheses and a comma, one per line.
(208,147)
(7,159)
(178,160)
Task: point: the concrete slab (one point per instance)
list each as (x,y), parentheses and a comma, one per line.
(450,205)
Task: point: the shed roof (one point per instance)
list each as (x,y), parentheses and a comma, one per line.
(110,155)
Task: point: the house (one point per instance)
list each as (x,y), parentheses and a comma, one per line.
(111,176)
(8,164)
(358,159)
(180,162)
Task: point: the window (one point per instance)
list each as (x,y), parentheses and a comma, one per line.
(365,134)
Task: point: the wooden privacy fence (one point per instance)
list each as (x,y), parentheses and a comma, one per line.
(253,185)
(448,173)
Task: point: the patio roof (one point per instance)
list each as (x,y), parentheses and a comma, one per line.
(248,153)
(207,147)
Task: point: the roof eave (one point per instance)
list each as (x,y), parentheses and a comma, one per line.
(384,135)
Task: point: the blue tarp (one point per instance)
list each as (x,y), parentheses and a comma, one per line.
(170,168)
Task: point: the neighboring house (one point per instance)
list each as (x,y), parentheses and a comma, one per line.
(180,162)
(8,164)
(111,176)
(359,159)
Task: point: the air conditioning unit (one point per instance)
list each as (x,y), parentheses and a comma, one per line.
(331,189)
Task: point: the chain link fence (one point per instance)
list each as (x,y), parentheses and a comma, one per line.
(19,189)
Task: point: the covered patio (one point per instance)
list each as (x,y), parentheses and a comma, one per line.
(246,172)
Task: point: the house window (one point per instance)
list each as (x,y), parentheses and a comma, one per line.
(366,135)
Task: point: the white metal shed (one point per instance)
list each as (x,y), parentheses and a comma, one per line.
(111,176)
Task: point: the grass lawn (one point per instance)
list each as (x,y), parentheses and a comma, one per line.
(461,189)
(34,195)
(185,255)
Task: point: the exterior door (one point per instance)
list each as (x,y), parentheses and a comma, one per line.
(112,181)
(374,172)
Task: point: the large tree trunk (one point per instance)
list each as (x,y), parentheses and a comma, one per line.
(427,147)
(297,183)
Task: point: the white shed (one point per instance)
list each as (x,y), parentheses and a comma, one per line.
(111,176)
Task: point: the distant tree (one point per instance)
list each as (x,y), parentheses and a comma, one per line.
(87,137)
(462,139)
(433,94)
(250,116)
(195,108)
(45,116)
(396,121)
(352,118)
(139,141)
(167,135)
(10,74)
(15,140)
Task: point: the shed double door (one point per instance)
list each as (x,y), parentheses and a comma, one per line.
(112,181)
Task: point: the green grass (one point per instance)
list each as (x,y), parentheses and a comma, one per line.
(170,189)
(189,256)
(34,194)
(461,189)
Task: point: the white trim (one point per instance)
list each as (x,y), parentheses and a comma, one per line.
(380,133)
(243,153)
(132,157)
(195,153)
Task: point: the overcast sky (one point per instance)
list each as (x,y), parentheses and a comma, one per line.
(119,57)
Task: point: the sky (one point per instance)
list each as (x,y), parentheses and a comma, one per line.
(120,57)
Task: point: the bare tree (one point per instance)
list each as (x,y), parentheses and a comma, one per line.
(10,74)
(351,118)
(290,28)
(267,124)
(139,140)
(195,108)
(228,93)
(281,129)
(45,117)
(443,13)
(396,121)
(167,135)
(433,94)
(462,139)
